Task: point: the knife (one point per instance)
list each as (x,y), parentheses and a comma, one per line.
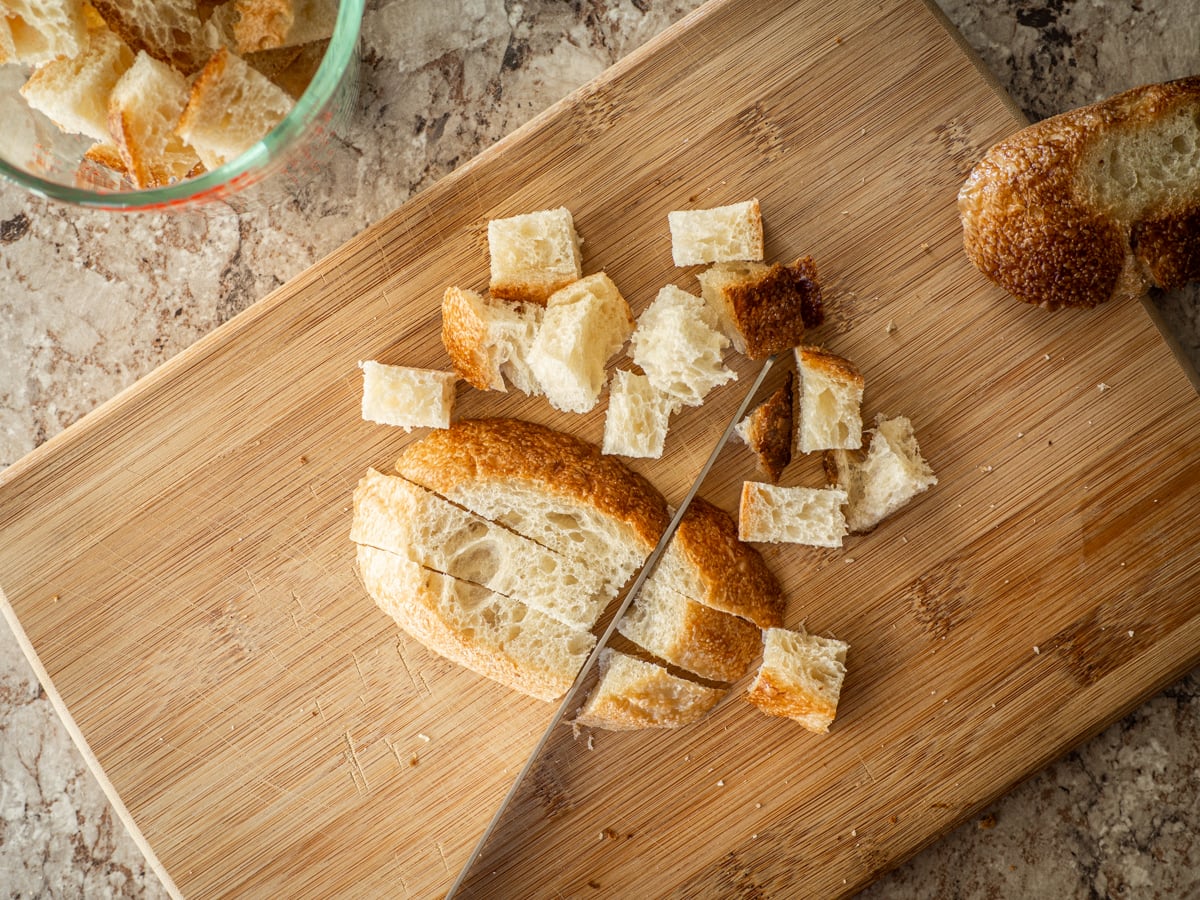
(571,697)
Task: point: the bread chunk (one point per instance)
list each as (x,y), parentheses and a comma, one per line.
(1097,203)
(709,643)
(791,515)
(831,391)
(143,112)
(706,562)
(495,636)
(721,234)
(37,31)
(634,694)
(256,26)
(168,30)
(533,255)
(764,309)
(584,325)
(769,430)
(800,678)
(489,339)
(231,108)
(883,479)
(638,417)
(678,346)
(398,516)
(405,397)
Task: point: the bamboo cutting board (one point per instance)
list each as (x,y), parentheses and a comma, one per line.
(178,564)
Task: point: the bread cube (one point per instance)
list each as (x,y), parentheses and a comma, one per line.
(764,309)
(168,30)
(633,693)
(679,347)
(533,255)
(638,417)
(769,429)
(489,338)
(800,677)
(405,397)
(831,391)
(792,515)
(37,31)
(722,234)
(143,112)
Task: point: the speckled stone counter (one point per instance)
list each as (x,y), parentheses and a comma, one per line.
(89,302)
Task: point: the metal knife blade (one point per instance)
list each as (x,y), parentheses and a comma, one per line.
(571,697)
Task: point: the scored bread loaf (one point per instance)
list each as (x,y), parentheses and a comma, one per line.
(764,309)
(793,515)
(495,636)
(1097,203)
(37,31)
(831,391)
(143,111)
(690,635)
(488,339)
(634,694)
(769,429)
(396,515)
(882,479)
(549,486)
(533,255)
(800,677)
(678,346)
(706,562)
(168,30)
(406,397)
(638,417)
(721,234)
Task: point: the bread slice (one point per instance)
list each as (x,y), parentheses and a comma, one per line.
(800,678)
(883,479)
(489,338)
(638,417)
(585,324)
(634,694)
(533,255)
(143,112)
(406,397)
(33,32)
(831,391)
(495,636)
(398,516)
(678,346)
(1094,204)
(690,635)
(706,562)
(791,515)
(764,309)
(549,486)
(231,108)
(721,234)
(769,430)
(73,91)
(168,30)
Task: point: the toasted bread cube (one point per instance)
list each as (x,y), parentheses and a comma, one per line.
(405,397)
(489,338)
(168,30)
(800,677)
(638,417)
(633,693)
(769,429)
(679,348)
(722,234)
(143,110)
(37,31)
(764,309)
(792,515)
(267,24)
(533,255)
(831,391)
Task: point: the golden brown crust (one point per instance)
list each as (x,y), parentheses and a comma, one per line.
(208,80)
(770,431)
(1168,245)
(832,366)
(771,308)
(106,155)
(778,697)
(463,336)
(262,24)
(643,695)
(714,644)
(530,291)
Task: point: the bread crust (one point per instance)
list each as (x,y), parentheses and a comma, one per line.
(187,53)
(646,696)
(835,367)
(770,429)
(1035,218)
(771,309)
(779,697)
(464,335)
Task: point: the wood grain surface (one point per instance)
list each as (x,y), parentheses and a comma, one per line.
(179,559)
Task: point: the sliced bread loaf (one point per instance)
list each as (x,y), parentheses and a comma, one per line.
(800,678)
(764,309)
(634,694)
(792,515)
(769,430)
(533,255)
(489,338)
(638,416)
(831,391)
(678,346)
(37,31)
(406,397)
(143,111)
(720,234)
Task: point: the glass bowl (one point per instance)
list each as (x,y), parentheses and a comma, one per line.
(35,154)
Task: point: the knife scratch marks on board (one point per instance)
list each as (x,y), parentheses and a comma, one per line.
(866,768)
(419,686)
(356,770)
(762,130)
(358,667)
(442,853)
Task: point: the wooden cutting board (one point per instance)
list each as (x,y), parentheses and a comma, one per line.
(178,561)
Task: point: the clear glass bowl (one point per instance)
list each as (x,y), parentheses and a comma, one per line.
(46,161)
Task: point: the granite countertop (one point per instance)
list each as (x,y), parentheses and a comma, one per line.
(81,318)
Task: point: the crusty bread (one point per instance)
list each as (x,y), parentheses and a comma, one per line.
(769,430)
(398,516)
(489,338)
(143,111)
(255,26)
(791,515)
(107,155)
(678,346)
(831,391)
(168,30)
(290,67)
(638,417)
(1094,204)
(634,694)
(533,255)
(73,91)
(37,31)
(549,486)
(406,397)
(495,636)
(706,562)
(720,234)
(800,678)
(764,309)
(585,324)
(230,108)
(690,635)
(882,479)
